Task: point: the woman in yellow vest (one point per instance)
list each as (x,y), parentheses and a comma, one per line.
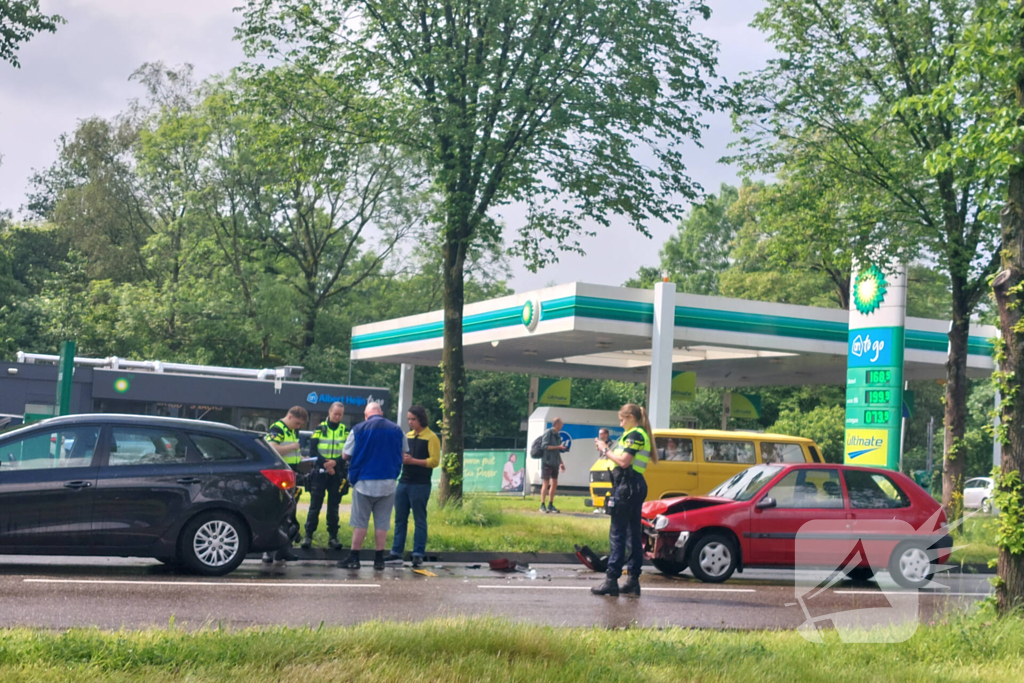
(629,489)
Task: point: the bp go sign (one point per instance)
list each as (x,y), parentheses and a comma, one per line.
(874,368)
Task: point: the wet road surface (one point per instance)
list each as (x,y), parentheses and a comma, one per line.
(114,593)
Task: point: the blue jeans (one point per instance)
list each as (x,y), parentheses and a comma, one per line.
(411,497)
(626,532)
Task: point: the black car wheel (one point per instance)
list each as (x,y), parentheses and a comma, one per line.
(213,544)
(911,565)
(713,558)
(668,567)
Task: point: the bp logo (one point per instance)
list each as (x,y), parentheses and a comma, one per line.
(869,290)
(121,385)
(531,314)
(312,398)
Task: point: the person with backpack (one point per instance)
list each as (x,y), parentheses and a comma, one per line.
(551,464)
(631,455)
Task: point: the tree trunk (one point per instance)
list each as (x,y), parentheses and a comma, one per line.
(955,415)
(1007,284)
(453,372)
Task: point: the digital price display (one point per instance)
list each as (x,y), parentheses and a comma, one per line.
(878,377)
(877,417)
(878,397)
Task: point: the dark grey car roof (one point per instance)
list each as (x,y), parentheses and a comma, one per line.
(126,419)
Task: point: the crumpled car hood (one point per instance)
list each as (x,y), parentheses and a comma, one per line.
(668,506)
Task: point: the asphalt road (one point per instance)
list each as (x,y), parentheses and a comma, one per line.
(115,593)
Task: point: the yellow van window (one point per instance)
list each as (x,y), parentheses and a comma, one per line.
(774,452)
(740,452)
(674,448)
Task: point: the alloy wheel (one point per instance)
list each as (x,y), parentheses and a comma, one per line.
(216,543)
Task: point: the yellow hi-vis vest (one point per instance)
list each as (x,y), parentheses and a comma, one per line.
(643,456)
(287,436)
(330,442)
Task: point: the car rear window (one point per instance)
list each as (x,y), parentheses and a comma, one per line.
(870,490)
(774,452)
(215,449)
(739,452)
(141,446)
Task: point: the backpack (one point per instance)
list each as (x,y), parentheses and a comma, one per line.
(537,448)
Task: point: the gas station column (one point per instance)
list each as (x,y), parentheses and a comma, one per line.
(662,338)
(406,377)
(874,367)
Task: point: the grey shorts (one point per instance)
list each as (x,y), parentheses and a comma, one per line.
(362,506)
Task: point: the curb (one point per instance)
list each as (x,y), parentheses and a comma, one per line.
(454,556)
(480,557)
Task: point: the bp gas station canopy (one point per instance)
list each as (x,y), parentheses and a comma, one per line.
(601,332)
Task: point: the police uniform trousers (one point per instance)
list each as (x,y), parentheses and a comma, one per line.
(626,532)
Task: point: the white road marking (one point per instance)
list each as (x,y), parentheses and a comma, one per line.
(943,593)
(248,584)
(645,589)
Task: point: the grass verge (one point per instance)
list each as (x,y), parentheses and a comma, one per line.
(495,524)
(964,649)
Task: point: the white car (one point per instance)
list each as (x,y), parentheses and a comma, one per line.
(978,494)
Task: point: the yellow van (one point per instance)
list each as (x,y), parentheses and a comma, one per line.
(691,462)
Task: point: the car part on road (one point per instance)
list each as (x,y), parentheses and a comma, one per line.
(910,565)
(668,567)
(589,558)
(213,543)
(713,558)
(862,574)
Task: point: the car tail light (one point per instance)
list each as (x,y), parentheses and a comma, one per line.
(282,479)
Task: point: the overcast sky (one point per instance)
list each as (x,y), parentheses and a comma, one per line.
(83,70)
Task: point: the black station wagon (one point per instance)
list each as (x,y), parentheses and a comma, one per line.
(200,495)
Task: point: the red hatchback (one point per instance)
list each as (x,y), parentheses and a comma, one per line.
(857,519)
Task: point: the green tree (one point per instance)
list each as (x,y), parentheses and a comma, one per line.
(826,425)
(840,97)
(543,101)
(19,21)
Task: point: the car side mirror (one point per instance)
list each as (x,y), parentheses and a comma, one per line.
(765,503)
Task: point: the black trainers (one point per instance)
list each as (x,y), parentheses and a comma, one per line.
(552,508)
(350,562)
(609,587)
(378,562)
(307,543)
(334,544)
(631,587)
(417,561)
(543,508)
(393,559)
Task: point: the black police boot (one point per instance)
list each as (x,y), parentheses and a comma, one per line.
(609,587)
(268,557)
(333,543)
(632,586)
(307,542)
(351,562)
(378,560)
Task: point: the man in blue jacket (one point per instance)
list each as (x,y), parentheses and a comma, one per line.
(374,451)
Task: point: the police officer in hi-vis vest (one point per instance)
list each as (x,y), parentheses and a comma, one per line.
(631,455)
(283,437)
(329,476)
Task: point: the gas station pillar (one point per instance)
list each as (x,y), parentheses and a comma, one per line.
(662,338)
(406,377)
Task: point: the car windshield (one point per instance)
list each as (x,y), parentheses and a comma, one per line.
(747,483)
